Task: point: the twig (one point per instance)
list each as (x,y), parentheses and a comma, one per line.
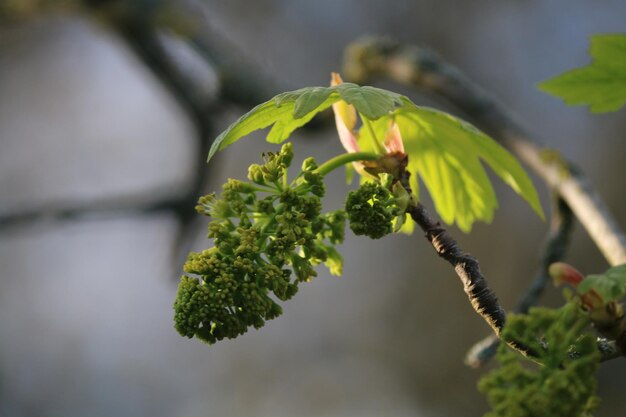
(482,298)
(423,69)
(561,224)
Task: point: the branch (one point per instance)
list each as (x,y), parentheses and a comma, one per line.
(106,207)
(558,239)
(483,299)
(423,69)
(561,225)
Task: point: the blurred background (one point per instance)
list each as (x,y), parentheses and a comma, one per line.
(106,112)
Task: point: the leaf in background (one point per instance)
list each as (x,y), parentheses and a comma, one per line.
(617,273)
(601,84)
(446,153)
(611,285)
(288,111)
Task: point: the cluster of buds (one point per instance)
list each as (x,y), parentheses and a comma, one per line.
(268,234)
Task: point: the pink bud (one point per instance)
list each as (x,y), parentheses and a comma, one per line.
(345,119)
(563,273)
(393,139)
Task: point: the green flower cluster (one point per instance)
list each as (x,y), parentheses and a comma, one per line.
(564,384)
(268,234)
(371,210)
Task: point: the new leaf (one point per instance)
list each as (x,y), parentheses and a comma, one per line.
(288,111)
(611,285)
(444,151)
(601,84)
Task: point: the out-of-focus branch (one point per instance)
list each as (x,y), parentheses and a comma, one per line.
(200,69)
(561,225)
(109,207)
(159,55)
(136,23)
(420,68)
(239,83)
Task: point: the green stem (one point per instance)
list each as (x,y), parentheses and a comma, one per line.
(263,188)
(379,148)
(345,158)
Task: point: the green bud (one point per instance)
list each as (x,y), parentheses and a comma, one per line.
(205,204)
(255,174)
(286,155)
(371,210)
(309,165)
(239,186)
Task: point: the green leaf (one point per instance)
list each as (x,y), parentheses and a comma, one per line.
(288,111)
(617,273)
(443,150)
(607,288)
(278,113)
(371,102)
(310,100)
(611,285)
(446,153)
(601,84)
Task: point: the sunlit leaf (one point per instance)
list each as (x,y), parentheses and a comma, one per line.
(310,100)
(288,111)
(446,153)
(601,84)
(371,102)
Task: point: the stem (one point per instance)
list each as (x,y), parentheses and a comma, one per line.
(561,226)
(368,125)
(345,158)
(263,188)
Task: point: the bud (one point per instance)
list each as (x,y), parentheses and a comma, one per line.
(309,164)
(255,174)
(286,154)
(563,273)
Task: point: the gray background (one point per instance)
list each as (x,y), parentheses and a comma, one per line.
(85,306)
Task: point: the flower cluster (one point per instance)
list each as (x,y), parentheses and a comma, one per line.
(268,234)
(564,384)
(371,210)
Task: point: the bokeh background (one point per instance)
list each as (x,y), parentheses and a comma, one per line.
(98,155)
